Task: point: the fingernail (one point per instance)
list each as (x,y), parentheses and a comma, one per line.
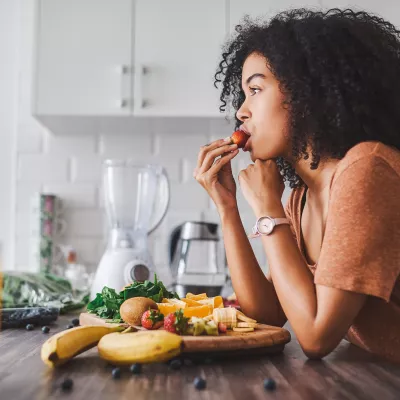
(227,139)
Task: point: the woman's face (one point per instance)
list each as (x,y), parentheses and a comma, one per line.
(262,112)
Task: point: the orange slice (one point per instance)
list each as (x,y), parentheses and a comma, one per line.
(216,301)
(196,297)
(192,303)
(166,309)
(200,311)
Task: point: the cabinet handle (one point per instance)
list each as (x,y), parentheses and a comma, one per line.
(141,71)
(122,70)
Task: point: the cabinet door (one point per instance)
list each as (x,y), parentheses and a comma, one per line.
(177,49)
(264,8)
(388,9)
(81,49)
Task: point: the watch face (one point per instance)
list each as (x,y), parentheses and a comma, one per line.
(265,226)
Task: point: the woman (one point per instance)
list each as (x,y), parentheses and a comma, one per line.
(319,95)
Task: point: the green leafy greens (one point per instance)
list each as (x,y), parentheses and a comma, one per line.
(107,303)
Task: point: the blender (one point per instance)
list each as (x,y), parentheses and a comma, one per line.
(136,201)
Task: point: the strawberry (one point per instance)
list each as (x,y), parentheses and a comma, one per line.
(240,138)
(222,327)
(152,319)
(176,322)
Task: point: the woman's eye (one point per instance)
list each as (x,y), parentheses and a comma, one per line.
(253,91)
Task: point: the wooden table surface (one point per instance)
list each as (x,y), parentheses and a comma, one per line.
(347,373)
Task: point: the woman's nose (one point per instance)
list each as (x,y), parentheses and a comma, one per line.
(243,113)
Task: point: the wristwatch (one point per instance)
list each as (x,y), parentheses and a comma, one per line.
(265,225)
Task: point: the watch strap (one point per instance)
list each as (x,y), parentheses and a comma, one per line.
(277,221)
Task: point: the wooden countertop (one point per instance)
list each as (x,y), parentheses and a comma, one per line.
(347,373)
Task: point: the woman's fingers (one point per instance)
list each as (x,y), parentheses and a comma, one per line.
(222,161)
(209,147)
(210,157)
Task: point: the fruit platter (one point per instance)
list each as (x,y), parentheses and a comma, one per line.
(145,323)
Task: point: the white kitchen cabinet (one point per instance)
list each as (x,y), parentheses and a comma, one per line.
(127,57)
(264,8)
(388,9)
(82,50)
(177,50)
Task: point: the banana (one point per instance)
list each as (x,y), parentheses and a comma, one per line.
(242,317)
(243,330)
(225,315)
(141,347)
(246,325)
(67,344)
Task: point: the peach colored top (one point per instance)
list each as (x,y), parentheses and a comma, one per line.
(361,245)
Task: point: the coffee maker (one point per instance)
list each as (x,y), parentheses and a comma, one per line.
(194,259)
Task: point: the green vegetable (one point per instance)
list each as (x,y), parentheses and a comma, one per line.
(107,303)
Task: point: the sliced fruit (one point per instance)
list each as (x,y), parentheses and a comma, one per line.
(242,317)
(191,302)
(200,311)
(208,318)
(246,325)
(225,315)
(196,297)
(211,328)
(167,308)
(180,303)
(214,301)
(141,347)
(243,330)
(65,345)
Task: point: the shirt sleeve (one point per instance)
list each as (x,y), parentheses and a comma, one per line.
(361,247)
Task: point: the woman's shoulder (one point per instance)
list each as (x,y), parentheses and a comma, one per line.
(364,157)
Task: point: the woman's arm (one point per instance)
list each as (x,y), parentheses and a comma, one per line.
(319,315)
(256,295)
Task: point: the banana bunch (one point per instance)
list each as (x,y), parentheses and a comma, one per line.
(141,347)
(65,345)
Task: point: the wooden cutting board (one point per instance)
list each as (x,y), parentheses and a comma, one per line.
(265,339)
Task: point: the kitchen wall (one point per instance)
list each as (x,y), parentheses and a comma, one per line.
(9,36)
(70,166)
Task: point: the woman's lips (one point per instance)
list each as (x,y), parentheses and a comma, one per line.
(247,146)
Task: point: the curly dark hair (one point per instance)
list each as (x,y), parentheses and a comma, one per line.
(339,72)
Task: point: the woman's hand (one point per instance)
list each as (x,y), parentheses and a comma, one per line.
(216,175)
(262,186)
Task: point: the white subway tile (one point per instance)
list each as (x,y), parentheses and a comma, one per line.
(74,195)
(86,169)
(187,146)
(22,253)
(30,138)
(188,196)
(71,144)
(221,128)
(24,193)
(185,126)
(43,168)
(85,223)
(126,145)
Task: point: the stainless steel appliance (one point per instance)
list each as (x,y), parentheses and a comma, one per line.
(194,259)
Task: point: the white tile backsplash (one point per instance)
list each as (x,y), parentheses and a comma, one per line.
(70,167)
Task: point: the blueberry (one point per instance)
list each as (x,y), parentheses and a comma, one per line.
(136,368)
(188,362)
(116,373)
(30,327)
(199,383)
(70,326)
(75,322)
(269,384)
(45,329)
(175,364)
(67,385)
